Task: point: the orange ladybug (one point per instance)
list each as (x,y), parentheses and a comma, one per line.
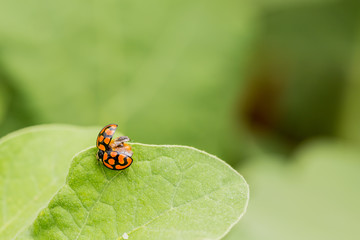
(114,154)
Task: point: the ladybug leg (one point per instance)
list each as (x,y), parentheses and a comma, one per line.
(123,139)
(100,155)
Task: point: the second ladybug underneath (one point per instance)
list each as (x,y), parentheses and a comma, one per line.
(114,154)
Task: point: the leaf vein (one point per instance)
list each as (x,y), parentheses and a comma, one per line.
(173,209)
(98,199)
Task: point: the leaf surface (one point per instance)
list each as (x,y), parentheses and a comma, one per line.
(169,192)
(33,166)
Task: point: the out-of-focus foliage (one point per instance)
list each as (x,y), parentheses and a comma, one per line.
(300,70)
(313,198)
(305,84)
(350,115)
(3,102)
(169,65)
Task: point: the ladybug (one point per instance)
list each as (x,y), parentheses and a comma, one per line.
(114,154)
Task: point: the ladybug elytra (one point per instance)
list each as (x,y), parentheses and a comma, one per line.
(114,154)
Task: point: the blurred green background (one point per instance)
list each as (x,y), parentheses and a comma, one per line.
(270,86)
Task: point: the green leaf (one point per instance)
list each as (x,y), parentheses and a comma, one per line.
(33,165)
(169,192)
(316,196)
